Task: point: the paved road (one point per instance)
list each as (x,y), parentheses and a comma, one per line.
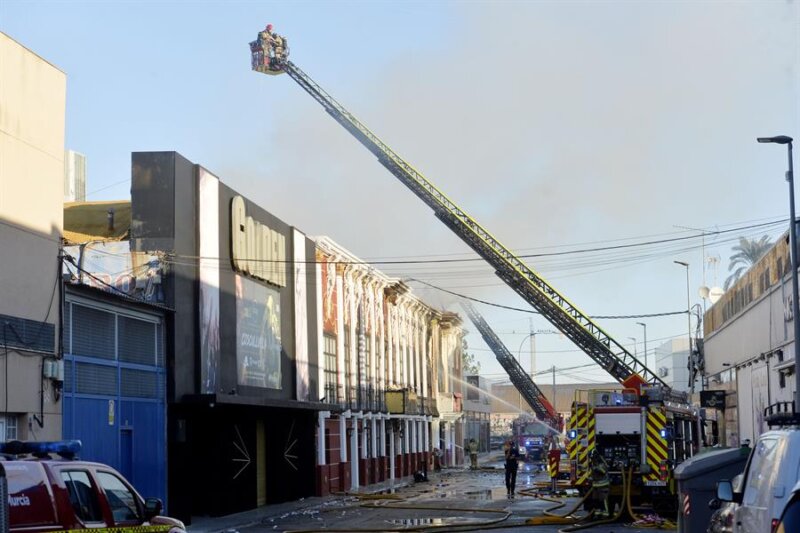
(455,497)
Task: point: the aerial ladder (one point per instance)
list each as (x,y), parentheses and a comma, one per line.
(543,409)
(606,425)
(576,325)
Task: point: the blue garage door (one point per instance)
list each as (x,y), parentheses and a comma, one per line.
(114,391)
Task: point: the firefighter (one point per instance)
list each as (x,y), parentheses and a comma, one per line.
(472,447)
(511,453)
(267,45)
(600,485)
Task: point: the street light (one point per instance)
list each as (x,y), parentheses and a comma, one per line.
(635,353)
(783,139)
(645,341)
(688,321)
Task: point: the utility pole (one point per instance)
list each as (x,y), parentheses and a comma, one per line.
(533,347)
(554,386)
(645,342)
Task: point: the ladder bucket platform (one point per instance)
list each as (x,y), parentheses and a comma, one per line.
(269,52)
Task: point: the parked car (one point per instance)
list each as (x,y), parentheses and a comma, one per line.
(722,518)
(64,494)
(770,474)
(790,519)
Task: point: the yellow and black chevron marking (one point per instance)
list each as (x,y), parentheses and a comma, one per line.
(656,444)
(552,466)
(572,443)
(582,426)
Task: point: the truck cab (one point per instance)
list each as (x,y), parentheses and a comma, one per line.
(64,494)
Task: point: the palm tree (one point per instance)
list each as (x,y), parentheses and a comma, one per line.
(747,253)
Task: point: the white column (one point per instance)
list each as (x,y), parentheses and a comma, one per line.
(392,456)
(320,336)
(354,455)
(383,436)
(446,451)
(452,428)
(374,436)
(427,434)
(413,436)
(364,437)
(322,415)
(419,435)
(406,440)
(343,436)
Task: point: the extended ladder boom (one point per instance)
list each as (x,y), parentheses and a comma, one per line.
(522,381)
(565,316)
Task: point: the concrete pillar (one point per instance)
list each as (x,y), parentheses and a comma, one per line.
(322,415)
(354,456)
(374,436)
(405,436)
(392,455)
(364,437)
(343,436)
(383,436)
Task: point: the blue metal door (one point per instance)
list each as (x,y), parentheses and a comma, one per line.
(114,393)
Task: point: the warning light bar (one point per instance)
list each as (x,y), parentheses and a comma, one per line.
(65,448)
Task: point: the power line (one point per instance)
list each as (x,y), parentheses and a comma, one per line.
(512,308)
(480,259)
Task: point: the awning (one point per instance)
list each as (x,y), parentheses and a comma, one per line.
(253,401)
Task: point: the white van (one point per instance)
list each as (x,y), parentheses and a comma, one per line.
(770,475)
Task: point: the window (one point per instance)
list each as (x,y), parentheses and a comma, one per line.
(8,428)
(82,496)
(120,498)
(331,369)
(762,465)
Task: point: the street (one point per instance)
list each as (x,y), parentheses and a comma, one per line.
(464,499)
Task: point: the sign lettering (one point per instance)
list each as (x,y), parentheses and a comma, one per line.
(257,250)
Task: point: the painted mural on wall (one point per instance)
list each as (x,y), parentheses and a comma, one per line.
(328,268)
(112,267)
(258,334)
(209,281)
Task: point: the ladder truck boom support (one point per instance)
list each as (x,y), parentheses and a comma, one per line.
(565,316)
(524,384)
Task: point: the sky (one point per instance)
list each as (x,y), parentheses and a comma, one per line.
(559,126)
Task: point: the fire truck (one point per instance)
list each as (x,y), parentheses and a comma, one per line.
(644,427)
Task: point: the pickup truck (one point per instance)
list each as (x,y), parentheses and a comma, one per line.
(64,494)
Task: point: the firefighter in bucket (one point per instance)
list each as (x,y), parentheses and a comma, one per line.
(269,51)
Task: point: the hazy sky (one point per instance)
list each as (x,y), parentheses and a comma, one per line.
(557,125)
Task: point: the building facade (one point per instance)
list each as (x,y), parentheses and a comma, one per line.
(389,366)
(749,346)
(32,118)
(477,411)
(672,363)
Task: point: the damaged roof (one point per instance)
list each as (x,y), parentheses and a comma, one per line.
(91,221)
